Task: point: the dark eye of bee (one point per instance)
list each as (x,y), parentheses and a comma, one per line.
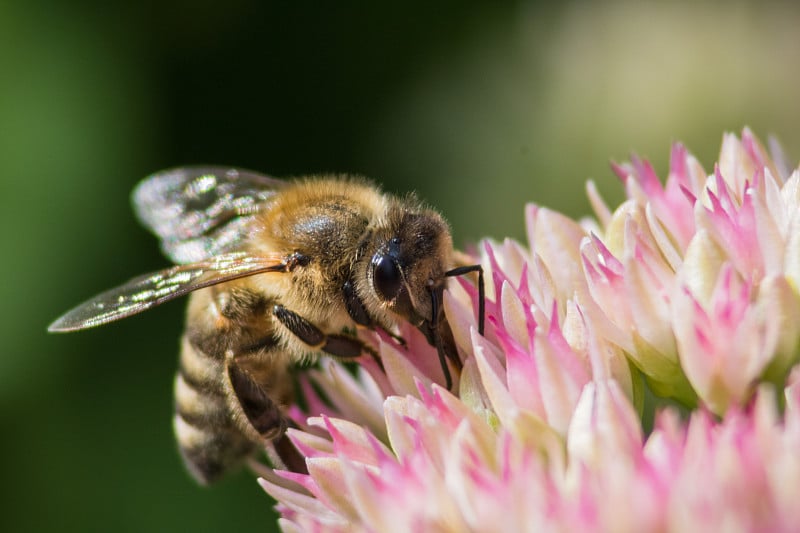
(386,277)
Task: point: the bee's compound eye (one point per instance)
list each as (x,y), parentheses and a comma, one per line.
(386,277)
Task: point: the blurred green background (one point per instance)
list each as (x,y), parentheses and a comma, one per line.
(479,106)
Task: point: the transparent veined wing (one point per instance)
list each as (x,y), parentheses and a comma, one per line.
(200,212)
(149,290)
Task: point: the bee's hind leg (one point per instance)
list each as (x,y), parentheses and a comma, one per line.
(266,418)
(263,414)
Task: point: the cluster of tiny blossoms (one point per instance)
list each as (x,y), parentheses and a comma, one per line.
(688,290)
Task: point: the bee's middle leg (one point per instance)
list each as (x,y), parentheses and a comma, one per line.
(334,344)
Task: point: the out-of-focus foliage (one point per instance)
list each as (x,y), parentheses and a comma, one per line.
(479,107)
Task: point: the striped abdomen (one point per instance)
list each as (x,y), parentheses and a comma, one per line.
(209,439)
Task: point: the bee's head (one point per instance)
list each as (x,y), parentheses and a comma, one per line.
(407,269)
(409,258)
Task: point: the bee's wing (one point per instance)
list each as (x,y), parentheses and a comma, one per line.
(143,292)
(200,212)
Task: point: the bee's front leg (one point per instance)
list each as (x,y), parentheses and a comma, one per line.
(358,312)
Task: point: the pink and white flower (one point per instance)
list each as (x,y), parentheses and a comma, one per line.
(687,291)
(700,276)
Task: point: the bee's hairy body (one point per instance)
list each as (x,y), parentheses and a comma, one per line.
(278,271)
(328,221)
(325,221)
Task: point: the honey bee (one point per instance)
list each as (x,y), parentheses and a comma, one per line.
(279,271)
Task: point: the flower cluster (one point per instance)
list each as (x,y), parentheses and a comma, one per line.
(688,292)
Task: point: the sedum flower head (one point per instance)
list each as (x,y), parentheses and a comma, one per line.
(699,277)
(687,292)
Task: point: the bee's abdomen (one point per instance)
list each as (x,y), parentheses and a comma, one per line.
(209,441)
